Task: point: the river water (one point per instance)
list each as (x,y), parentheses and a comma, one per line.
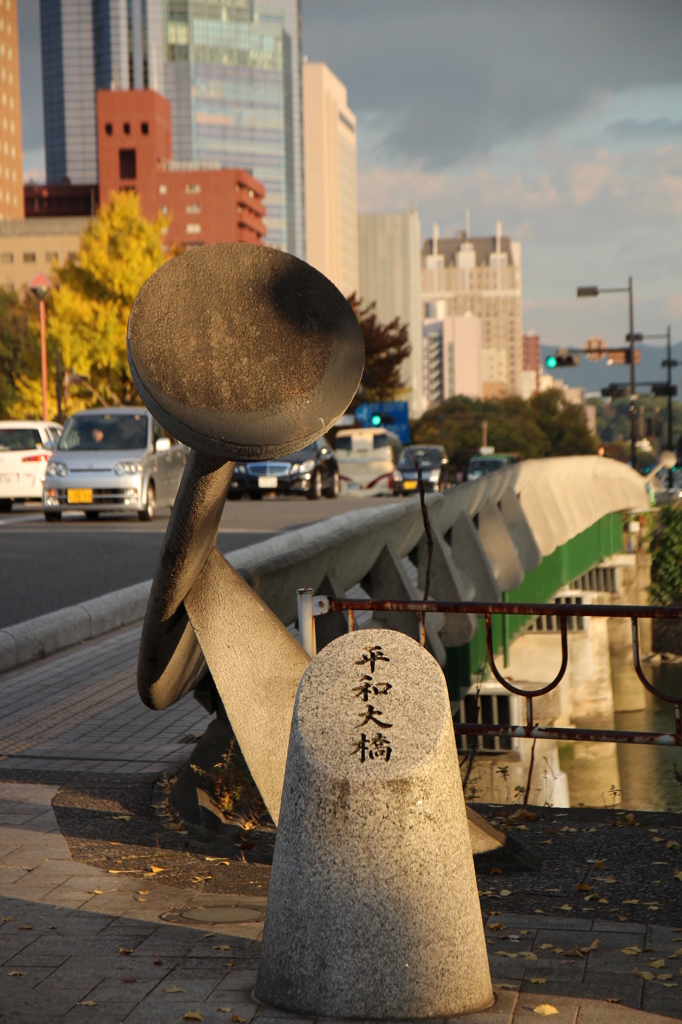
(634,776)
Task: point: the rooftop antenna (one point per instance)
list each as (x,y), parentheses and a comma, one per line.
(467,223)
(436,238)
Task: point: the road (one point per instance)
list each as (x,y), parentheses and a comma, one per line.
(46,566)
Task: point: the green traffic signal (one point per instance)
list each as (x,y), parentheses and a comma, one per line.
(551,362)
(376,420)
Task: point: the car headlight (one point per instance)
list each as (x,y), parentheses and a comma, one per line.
(397,476)
(125,468)
(56,469)
(434,476)
(308,466)
(240,468)
(294,468)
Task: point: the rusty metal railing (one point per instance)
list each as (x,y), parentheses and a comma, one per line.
(319,604)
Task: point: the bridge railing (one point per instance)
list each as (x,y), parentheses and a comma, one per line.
(311,606)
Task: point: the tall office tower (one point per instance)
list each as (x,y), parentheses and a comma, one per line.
(389,245)
(11,184)
(331,177)
(89,45)
(530,375)
(481,276)
(452,355)
(233,76)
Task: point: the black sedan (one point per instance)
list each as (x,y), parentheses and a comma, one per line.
(313,471)
(431,459)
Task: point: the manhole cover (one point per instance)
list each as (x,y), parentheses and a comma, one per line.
(223,915)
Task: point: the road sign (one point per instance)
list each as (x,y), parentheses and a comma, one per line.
(392,415)
(621,356)
(595,349)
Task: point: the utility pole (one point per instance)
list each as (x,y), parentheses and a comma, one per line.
(633,393)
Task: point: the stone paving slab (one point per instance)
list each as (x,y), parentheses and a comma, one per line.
(54,957)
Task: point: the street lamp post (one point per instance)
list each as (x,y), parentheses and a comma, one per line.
(588,291)
(40,286)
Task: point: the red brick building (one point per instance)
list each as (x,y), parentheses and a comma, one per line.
(531,352)
(207,204)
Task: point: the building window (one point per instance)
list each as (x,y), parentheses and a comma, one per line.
(109,128)
(192,189)
(49,256)
(7,257)
(192,208)
(163,190)
(145,128)
(193,229)
(29,257)
(127,164)
(126,128)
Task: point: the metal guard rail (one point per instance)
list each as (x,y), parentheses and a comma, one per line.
(310,606)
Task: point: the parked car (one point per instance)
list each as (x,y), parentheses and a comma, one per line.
(432,459)
(313,471)
(24,452)
(367,458)
(113,460)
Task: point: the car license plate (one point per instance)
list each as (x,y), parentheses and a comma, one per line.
(267,481)
(409,485)
(79,496)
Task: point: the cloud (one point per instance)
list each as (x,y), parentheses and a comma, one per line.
(455,78)
(632,130)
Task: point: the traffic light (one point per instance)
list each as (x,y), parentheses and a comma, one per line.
(664,390)
(376,420)
(614,391)
(562,358)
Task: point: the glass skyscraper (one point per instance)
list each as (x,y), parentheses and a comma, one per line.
(233,76)
(89,45)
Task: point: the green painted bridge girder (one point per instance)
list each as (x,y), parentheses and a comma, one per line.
(466,665)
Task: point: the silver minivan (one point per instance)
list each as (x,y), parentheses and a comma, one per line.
(113,460)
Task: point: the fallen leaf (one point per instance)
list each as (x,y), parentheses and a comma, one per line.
(521,828)
(230,947)
(495,871)
(610,880)
(545,1010)
(584,887)
(143,892)
(647,975)
(16,974)
(120,817)
(664,977)
(238,1020)
(177,828)
(592,946)
(87,1002)
(174,989)
(128,981)
(224,1009)
(547,945)
(231,963)
(546,842)
(511,956)
(25,927)
(505,892)
(631,950)
(668,984)
(538,981)
(672,844)
(630,901)
(123,951)
(497,927)
(657,964)
(659,839)
(155,870)
(192,1015)
(678,874)
(566,906)
(158,961)
(8,918)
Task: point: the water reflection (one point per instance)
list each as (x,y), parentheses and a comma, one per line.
(645,775)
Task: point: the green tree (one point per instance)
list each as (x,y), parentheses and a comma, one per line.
(533,429)
(666,561)
(19,344)
(88,312)
(386,347)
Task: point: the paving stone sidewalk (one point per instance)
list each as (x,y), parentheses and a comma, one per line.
(80,943)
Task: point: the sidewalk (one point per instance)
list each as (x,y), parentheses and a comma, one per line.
(87,942)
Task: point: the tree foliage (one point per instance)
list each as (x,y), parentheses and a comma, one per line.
(666,562)
(87,313)
(386,347)
(19,345)
(544,425)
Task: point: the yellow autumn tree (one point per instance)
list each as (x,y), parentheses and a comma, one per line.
(88,311)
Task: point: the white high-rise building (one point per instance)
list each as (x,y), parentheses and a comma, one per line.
(481,276)
(390,271)
(452,355)
(89,45)
(331,177)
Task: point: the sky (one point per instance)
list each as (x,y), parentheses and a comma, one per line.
(563,120)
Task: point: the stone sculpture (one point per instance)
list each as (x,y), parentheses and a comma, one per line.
(373,907)
(240,352)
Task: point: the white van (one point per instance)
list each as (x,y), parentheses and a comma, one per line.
(25,448)
(367,458)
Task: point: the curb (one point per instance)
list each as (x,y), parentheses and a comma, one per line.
(36,638)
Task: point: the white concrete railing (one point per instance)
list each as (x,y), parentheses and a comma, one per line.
(488,534)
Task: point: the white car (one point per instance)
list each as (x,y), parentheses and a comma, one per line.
(25,447)
(366,457)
